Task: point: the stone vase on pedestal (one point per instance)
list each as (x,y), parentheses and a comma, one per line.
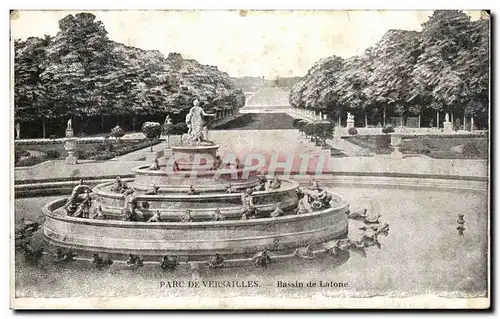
(168,152)
(447,127)
(71,146)
(395,143)
(337,134)
(350,123)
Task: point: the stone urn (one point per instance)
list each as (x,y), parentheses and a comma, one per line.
(396,139)
(71,146)
(350,123)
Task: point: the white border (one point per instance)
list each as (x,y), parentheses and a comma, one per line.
(183,4)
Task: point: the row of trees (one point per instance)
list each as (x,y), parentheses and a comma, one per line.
(443,68)
(81,73)
(319,131)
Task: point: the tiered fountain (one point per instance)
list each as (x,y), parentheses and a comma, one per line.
(202,237)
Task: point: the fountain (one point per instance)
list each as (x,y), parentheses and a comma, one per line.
(230,212)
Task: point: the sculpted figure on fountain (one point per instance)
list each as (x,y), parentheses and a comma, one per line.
(195,124)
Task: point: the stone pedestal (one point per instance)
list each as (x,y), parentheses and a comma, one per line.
(187,156)
(395,143)
(168,153)
(396,154)
(69,133)
(70,147)
(350,123)
(448,127)
(337,134)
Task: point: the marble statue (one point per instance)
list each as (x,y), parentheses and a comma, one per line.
(69,126)
(275,183)
(155,166)
(187,216)
(217,215)
(350,116)
(249,210)
(195,123)
(155,218)
(72,202)
(204,136)
(277,212)
(18,131)
(447,118)
(301,209)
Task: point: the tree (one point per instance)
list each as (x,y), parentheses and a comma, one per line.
(453,47)
(151,130)
(180,129)
(445,67)
(117,132)
(323,131)
(393,60)
(81,73)
(78,59)
(30,91)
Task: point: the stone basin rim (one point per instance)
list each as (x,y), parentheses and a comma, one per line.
(49,213)
(98,190)
(195,147)
(143,170)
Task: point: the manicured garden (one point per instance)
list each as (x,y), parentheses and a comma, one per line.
(447,147)
(435,146)
(29,153)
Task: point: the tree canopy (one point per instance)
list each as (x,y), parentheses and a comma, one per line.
(80,72)
(444,67)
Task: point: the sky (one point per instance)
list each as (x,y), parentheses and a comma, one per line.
(242,43)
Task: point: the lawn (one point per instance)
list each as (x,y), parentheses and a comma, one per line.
(259,121)
(441,147)
(435,146)
(39,152)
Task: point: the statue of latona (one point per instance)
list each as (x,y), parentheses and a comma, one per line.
(195,123)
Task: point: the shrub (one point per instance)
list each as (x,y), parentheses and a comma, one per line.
(388,128)
(30,161)
(168,129)
(471,149)
(353,131)
(300,125)
(458,125)
(296,122)
(323,130)
(52,154)
(117,132)
(308,129)
(105,146)
(151,129)
(179,128)
(104,156)
(22,153)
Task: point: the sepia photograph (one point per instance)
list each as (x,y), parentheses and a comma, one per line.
(250,159)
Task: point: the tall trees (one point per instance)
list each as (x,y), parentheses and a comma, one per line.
(30,91)
(393,59)
(445,67)
(82,73)
(79,57)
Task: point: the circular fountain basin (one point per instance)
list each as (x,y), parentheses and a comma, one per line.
(207,180)
(173,205)
(195,239)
